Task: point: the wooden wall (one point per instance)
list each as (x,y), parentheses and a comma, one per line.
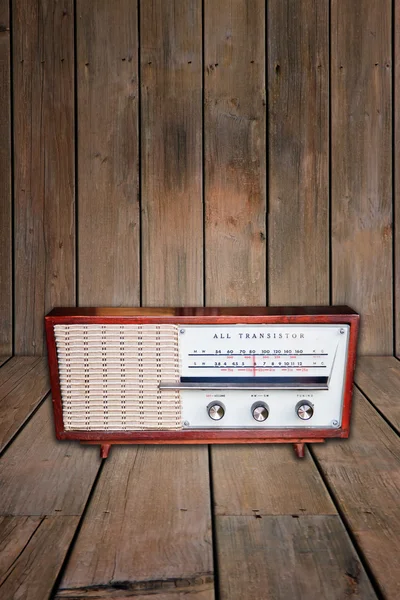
(181,152)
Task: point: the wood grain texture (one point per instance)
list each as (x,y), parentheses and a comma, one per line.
(4,359)
(379,379)
(20,394)
(283,557)
(6,284)
(253,480)
(32,551)
(298,103)
(396,173)
(184,593)
(41,476)
(235,173)
(14,370)
(361,73)
(14,534)
(172,211)
(364,475)
(108,166)
(148,526)
(44,235)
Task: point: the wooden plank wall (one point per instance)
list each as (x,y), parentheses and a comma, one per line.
(170,152)
(5,184)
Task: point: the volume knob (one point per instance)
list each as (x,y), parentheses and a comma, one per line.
(216,411)
(304,410)
(260,411)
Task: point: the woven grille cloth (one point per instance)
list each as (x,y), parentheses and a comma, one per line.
(109,376)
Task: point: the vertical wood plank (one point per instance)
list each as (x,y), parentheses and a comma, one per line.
(235,155)
(396,173)
(362,167)
(108,202)
(43,58)
(298,80)
(171,62)
(172,274)
(5,184)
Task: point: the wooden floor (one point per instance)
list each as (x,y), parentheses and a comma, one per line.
(193,522)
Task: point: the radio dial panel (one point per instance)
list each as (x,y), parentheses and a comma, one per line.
(297,370)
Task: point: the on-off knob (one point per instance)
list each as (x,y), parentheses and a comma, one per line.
(304,410)
(260,411)
(216,411)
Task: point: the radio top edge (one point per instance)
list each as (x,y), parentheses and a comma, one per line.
(208,312)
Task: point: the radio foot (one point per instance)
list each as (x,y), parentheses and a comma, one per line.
(105,450)
(300,450)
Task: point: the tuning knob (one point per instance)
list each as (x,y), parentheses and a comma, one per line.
(216,411)
(260,411)
(304,410)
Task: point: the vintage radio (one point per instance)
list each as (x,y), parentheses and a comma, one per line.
(202,375)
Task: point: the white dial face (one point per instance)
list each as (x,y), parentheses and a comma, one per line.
(265,352)
(285,364)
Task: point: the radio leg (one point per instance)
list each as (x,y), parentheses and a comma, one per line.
(300,450)
(104,450)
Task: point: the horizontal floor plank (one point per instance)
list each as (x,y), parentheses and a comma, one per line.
(24,382)
(148,526)
(379,379)
(32,551)
(42,476)
(364,475)
(254,479)
(3,359)
(282,558)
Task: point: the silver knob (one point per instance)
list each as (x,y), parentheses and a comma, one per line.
(304,410)
(260,411)
(216,411)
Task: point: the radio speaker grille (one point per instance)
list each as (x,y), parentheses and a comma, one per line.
(109,376)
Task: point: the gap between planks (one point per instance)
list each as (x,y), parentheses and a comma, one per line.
(32,550)
(273,510)
(24,383)
(363,475)
(148,527)
(379,379)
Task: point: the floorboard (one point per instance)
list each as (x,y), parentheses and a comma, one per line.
(148,527)
(32,551)
(253,479)
(277,530)
(286,558)
(379,379)
(24,382)
(41,476)
(284,528)
(3,359)
(363,473)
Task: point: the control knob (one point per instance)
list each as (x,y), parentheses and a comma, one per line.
(260,411)
(304,410)
(216,410)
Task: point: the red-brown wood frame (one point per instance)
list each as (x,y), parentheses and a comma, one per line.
(338,315)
